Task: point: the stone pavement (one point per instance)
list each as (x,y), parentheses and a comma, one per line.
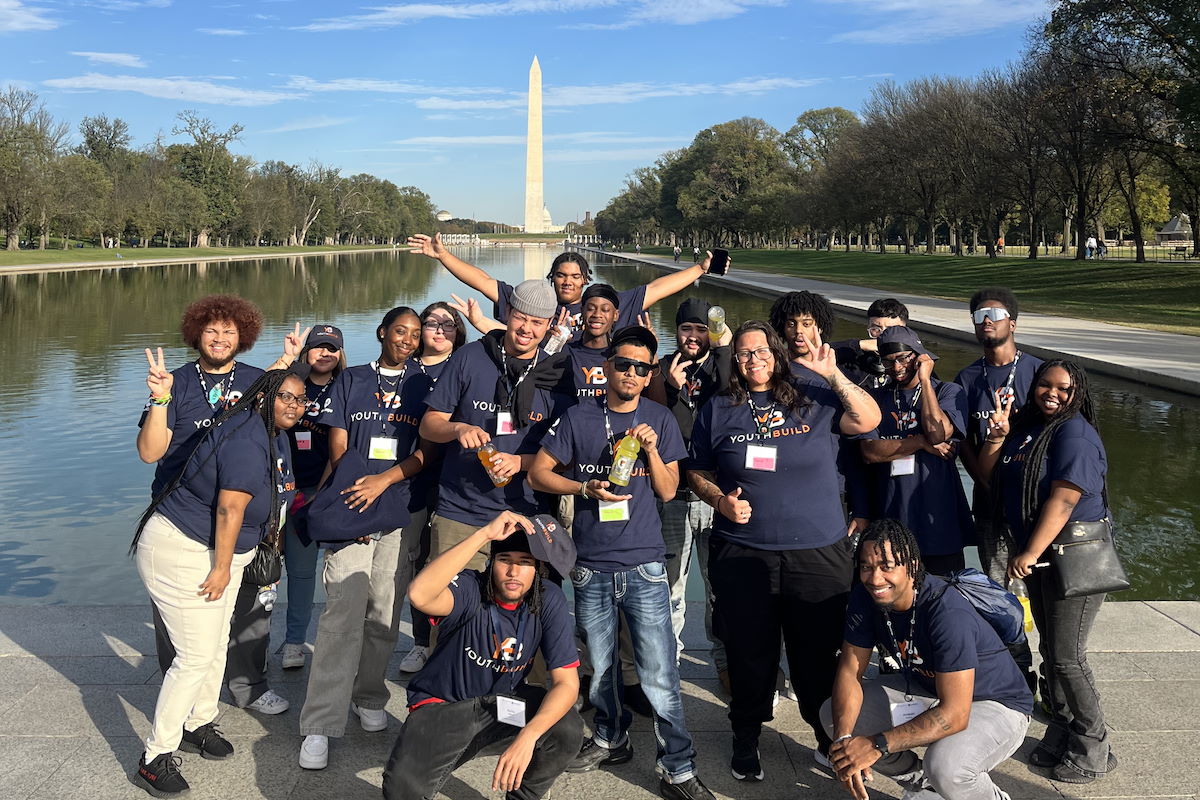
(78,685)
(1168,360)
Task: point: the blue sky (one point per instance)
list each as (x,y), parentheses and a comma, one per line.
(432,94)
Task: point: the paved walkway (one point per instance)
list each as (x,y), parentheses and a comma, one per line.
(1167,360)
(78,685)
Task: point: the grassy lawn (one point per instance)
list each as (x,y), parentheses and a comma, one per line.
(77,254)
(1164,296)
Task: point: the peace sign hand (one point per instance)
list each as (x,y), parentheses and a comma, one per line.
(819,358)
(998,420)
(293,342)
(159,379)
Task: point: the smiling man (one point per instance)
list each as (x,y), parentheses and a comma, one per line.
(958,693)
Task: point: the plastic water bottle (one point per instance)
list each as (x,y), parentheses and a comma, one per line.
(267,595)
(485,455)
(716,323)
(1017,587)
(561,335)
(623,461)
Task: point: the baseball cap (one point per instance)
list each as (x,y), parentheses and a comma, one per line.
(634,334)
(549,542)
(898,339)
(324,335)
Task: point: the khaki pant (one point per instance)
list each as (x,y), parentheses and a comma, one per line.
(172,566)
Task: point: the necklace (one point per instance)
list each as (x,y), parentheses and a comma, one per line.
(213,395)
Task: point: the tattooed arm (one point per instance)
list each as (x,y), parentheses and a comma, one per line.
(861,411)
(949,716)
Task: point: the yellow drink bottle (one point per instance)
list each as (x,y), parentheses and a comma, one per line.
(623,461)
(716,323)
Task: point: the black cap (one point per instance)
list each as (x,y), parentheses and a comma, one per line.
(693,310)
(602,290)
(549,542)
(901,338)
(324,335)
(634,334)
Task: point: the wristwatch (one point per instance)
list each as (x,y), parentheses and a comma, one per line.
(880,742)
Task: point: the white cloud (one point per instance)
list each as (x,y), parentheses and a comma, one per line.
(635,12)
(923,21)
(119,59)
(125,5)
(187,90)
(383,86)
(580,137)
(221,31)
(15,17)
(309,124)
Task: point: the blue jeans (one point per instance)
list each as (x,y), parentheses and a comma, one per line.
(300,563)
(644,595)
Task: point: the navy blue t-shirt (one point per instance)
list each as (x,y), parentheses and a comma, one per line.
(423,486)
(189,413)
(360,408)
(235,457)
(309,439)
(587,370)
(950,636)
(632,302)
(701,381)
(580,441)
(474,660)
(931,501)
(981,382)
(1076,455)
(467,392)
(796,507)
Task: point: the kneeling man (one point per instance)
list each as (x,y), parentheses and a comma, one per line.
(959,693)
(471,696)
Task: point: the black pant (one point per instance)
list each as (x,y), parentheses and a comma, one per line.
(438,738)
(942,566)
(760,594)
(246,658)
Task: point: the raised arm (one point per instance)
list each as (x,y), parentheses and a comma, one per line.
(429,591)
(469,274)
(935,423)
(673,282)
(154,437)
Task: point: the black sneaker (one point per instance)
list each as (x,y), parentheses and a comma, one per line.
(745,764)
(161,776)
(637,701)
(207,741)
(691,789)
(592,756)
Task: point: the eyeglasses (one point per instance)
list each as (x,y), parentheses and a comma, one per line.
(994,314)
(762,354)
(874,330)
(899,358)
(640,368)
(446,326)
(289,399)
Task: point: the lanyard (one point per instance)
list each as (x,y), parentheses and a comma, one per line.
(213,395)
(395,387)
(497,628)
(315,402)
(912,409)
(685,390)
(1012,374)
(608,431)
(510,388)
(897,651)
(762,428)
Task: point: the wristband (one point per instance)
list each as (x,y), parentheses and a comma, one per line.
(843,737)
(994,441)
(583,489)
(160,401)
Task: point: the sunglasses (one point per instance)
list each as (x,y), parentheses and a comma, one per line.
(289,399)
(994,314)
(640,368)
(446,326)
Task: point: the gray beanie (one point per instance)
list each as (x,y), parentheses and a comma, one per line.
(535,298)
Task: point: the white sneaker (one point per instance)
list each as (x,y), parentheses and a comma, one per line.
(415,659)
(314,753)
(921,794)
(293,656)
(371,719)
(269,703)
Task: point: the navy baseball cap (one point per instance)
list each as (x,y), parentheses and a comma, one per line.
(324,335)
(634,334)
(549,542)
(899,339)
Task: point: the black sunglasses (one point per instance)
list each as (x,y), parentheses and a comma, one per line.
(640,368)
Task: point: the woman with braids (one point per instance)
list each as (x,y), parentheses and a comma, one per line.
(375,414)
(764,455)
(191,546)
(442,332)
(1048,468)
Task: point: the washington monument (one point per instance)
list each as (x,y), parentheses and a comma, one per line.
(535,206)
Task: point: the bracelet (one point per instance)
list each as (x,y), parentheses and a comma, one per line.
(583,489)
(843,737)
(994,441)
(160,401)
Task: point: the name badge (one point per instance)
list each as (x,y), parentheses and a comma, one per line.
(504,423)
(383,448)
(510,710)
(304,440)
(903,712)
(614,510)
(904,466)
(761,457)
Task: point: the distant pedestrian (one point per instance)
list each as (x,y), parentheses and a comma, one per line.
(1090,246)
(678,251)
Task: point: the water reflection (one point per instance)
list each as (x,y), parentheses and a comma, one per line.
(71,484)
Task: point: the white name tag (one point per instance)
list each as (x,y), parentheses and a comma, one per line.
(510,710)
(903,712)
(304,440)
(504,423)
(904,466)
(614,510)
(383,448)
(761,457)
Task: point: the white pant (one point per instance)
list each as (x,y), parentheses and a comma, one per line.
(172,566)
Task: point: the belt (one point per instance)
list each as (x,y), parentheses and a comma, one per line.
(687,494)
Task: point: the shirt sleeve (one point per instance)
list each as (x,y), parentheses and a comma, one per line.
(952,645)
(558,634)
(700,452)
(953,402)
(242,465)
(503,296)
(1075,459)
(559,441)
(464,587)
(670,440)
(449,389)
(860,618)
(339,397)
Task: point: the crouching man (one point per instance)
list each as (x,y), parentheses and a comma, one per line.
(959,693)
(471,698)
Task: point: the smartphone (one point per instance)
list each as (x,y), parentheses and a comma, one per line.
(720,262)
